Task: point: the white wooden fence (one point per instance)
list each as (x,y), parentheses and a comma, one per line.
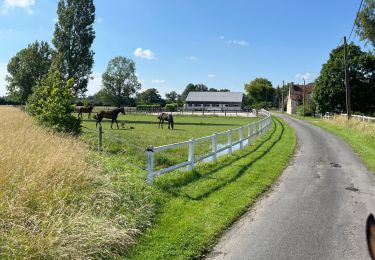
(362,118)
(254,130)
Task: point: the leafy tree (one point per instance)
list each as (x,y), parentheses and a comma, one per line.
(150,96)
(192,87)
(51,104)
(172,96)
(260,90)
(119,81)
(329,91)
(365,22)
(73,37)
(26,68)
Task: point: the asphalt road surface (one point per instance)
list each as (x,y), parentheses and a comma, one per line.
(317,210)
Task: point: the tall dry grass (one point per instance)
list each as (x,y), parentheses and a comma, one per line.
(53,204)
(365,129)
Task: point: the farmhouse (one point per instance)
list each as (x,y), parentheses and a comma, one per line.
(295,96)
(222,101)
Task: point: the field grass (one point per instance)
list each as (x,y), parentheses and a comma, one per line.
(138,131)
(197,206)
(359,135)
(56,199)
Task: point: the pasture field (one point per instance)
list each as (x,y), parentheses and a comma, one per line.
(138,131)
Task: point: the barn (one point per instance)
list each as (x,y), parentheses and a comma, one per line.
(219,101)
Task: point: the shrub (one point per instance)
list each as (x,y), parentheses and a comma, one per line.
(171,107)
(51,106)
(310,108)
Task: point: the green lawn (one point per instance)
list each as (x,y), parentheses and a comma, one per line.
(137,132)
(198,206)
(359,135)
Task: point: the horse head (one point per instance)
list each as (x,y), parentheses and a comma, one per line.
(122,110)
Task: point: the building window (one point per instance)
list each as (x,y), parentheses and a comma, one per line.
(207,105)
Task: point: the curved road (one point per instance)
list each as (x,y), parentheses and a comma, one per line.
(317,210)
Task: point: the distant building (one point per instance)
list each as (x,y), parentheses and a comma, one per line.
(214,101)
(295,96)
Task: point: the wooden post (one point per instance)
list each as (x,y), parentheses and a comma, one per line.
(191,155)
(230,141)
(100,140)
(214,146)
(150,164)
(347,87)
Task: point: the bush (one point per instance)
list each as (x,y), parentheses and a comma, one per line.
(50,104)
(171,107)
(310,108)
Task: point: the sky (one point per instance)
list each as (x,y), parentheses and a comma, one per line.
(219,43)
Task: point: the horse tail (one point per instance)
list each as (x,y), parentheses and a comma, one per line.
(171,119)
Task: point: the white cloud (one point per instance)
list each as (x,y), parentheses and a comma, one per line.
(237,42)
(3,73)
(144,54)
(211,75)
(306,76)
(191,58)
(158,81)
(95,83)
(24,4)
(222,37)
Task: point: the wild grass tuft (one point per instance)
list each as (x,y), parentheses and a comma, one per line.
(54,204)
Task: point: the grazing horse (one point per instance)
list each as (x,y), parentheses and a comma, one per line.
(370,234)
(166,117)
(81,110)
(112,114)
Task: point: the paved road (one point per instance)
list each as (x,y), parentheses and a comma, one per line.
(317,210)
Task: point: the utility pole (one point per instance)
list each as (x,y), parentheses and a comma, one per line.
(347,87)
(282,99)
(303,97)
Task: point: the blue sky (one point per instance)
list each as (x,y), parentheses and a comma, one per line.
(220,43)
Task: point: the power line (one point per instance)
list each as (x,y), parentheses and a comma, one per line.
(359,9)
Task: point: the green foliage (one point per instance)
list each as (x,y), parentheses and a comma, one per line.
(365,26)
(150,96)
(329,91)
(73,37)
(120,82)
(171,107)
(310,108)
(145,107)
(51,105)
(260,90)
(193,87)
(172,96)
(27,67)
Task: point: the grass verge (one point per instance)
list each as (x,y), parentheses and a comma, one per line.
(359,135)
(201,204)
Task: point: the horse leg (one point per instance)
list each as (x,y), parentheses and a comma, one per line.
(112,123)
(89,115)
(117,123)
(169,124)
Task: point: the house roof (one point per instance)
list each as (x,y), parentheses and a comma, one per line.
(215,97)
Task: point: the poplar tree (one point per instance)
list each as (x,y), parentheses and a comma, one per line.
(73,36)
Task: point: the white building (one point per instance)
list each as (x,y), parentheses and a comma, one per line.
(229,101)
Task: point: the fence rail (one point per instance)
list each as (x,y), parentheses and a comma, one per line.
(254,130)
(362,118)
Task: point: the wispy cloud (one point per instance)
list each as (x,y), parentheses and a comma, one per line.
(306,76)
(158,81)
(237,42)
(191,58)
(222,37)
(3,73)
(144,54)
(24,4)
(211,76)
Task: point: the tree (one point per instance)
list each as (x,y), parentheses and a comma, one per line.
(73,37)
(260,90)
(150,96)
(172,96)
(51,104)
(192,87)
(119,81)
(26,68)
(365,25)
(329,91)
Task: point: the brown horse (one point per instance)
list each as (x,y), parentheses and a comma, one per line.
(82,110)
(166,117)
(370,234)
(112,114)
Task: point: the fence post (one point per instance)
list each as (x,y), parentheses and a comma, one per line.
(214,146)
(249,134)
(100,140)
(191,155)
(241,138)
(230,141)
(150,164)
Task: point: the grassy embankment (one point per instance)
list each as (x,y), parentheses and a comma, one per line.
(199,205)
(359,135)
(55,202)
